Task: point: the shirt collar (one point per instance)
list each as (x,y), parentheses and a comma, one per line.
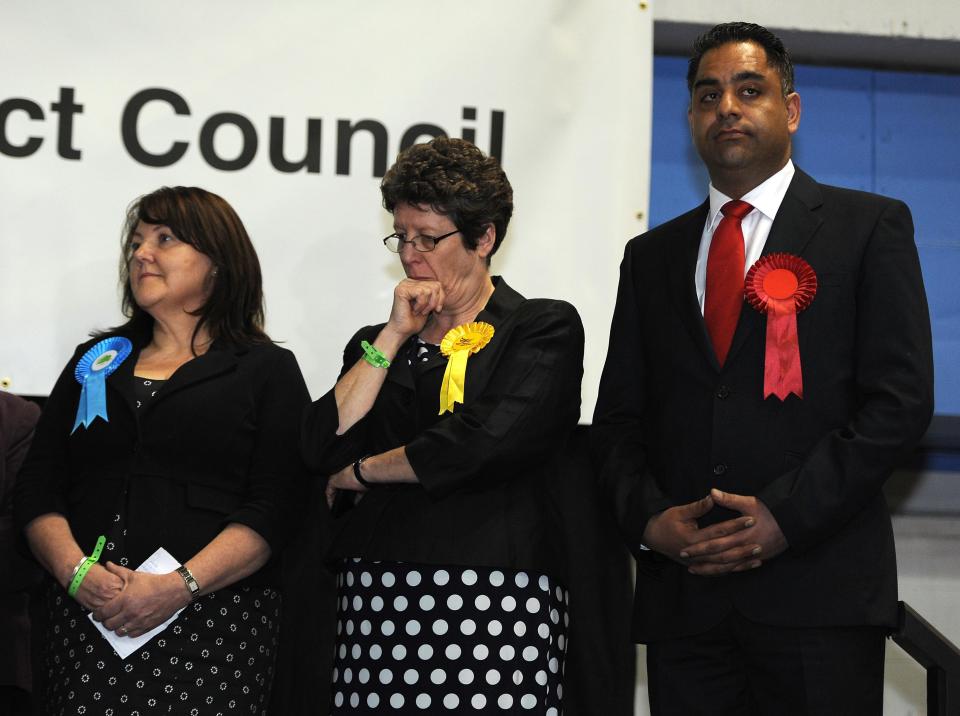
(765,198)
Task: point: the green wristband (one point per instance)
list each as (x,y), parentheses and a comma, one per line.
(374,356)
(85,567)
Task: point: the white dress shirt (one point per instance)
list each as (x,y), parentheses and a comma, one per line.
(765,200)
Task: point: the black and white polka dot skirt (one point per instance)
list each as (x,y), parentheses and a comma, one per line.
(427,639)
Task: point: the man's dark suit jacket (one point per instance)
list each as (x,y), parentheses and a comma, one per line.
(218,444)
(17,418)
(484,496)
(670,423)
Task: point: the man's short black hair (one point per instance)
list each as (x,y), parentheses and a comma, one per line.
(777,55)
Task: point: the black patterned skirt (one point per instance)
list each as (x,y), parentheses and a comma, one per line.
(427,639)
(217,657)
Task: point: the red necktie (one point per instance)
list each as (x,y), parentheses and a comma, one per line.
(724,291)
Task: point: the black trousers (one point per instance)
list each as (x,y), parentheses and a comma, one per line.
(741,668)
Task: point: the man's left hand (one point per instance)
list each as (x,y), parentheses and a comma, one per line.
(712,557)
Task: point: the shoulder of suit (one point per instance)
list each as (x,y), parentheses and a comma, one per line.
(814,194)
(17,415)
(268,350)
(90,342)
(686,224)
(547,307)
(547,315)
(368,333)
(855,197)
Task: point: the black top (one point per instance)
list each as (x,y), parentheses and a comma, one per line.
(485,496)
(218,444)
(146,389)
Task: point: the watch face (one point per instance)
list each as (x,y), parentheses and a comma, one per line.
(191,582)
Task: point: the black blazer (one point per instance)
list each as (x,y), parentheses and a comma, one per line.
(17,419)
(670,423)
(218,444)
(484,497)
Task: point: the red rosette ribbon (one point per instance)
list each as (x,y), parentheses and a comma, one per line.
(781,285)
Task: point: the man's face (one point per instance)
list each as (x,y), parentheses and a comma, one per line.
(739,119)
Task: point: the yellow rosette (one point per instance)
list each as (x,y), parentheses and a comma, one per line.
(457,346)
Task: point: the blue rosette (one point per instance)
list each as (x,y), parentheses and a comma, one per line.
(91,373)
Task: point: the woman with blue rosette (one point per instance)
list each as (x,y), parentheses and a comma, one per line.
(442,439)
(159,484)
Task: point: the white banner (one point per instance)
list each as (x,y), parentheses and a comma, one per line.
(292,111)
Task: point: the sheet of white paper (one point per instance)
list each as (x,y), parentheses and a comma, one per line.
(160,562)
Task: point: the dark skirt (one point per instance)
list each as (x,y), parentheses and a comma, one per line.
(217,657)
(427,639)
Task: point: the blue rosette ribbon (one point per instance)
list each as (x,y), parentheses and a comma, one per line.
(91,373)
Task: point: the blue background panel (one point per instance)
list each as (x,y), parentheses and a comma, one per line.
(835,141)
(678,181)
(889,132)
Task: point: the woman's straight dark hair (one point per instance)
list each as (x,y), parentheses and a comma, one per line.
(233,312)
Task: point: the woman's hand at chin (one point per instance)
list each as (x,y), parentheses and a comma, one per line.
(414,301)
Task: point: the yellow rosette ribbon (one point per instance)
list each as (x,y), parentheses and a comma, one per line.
(457,346)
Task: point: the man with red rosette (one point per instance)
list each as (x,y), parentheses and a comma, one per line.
(769,364)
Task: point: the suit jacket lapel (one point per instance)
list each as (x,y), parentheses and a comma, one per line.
(399,371)
(681,272)
(212,363)
(121,380)
(795,224)
(216,361)
(219,359)
(503,301)
(797,220)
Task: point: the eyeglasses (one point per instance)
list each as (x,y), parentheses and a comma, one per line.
(422,243)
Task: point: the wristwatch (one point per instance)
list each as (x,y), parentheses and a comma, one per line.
(357,474)
(190,582)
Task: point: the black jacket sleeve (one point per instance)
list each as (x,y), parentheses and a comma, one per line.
(323,450)
(42,484)
(275,464)
(617,438)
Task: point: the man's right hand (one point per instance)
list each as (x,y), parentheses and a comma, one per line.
(673,531)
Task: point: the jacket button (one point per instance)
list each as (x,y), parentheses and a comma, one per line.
(722,392)
(719,468)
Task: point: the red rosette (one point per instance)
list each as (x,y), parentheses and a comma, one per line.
(781,285)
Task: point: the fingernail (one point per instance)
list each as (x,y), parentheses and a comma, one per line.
(755,565)
(684,555)
(748,523)
(756,550)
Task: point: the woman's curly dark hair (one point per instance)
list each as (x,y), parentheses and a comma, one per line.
(455,179)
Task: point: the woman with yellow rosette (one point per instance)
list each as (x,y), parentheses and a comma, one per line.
(440,438)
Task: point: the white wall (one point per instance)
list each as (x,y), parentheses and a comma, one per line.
(569,80)
(926,19)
